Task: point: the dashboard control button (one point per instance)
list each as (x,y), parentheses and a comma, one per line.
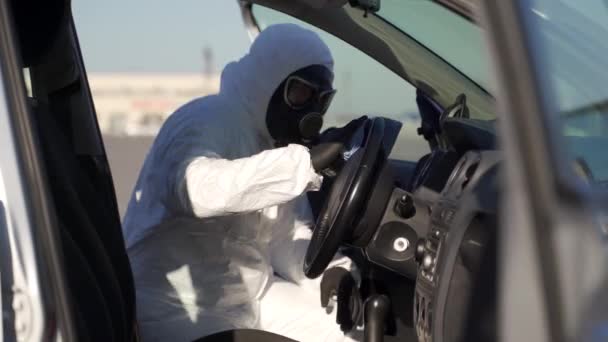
(427,262)
(419,253)
(401,244)
(404,207)
(447,216)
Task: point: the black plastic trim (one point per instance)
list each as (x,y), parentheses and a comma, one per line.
(54,296)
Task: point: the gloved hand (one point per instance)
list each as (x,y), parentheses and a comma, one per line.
(330,145)
(342,134)
(330,283)
(339,282)
(323,155)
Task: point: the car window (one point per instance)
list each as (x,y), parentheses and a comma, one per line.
(142,66)
(570,48)
(365,87)
(455,39)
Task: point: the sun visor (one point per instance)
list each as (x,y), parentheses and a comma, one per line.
(318,4)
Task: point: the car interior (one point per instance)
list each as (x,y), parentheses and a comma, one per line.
(423,234)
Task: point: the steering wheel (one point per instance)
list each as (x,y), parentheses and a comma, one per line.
(346,200)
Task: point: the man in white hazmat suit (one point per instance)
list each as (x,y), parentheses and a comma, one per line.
(219,206)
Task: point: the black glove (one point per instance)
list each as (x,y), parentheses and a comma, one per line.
(338,282)
(329,147)
(330,283)
(323,155)
(342,134)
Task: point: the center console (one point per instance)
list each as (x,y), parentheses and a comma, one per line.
(450,251)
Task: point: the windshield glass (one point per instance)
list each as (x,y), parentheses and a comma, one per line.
(453,38)
(570,50)
(357,77)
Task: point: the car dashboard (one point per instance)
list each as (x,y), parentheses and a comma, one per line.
(449,254)
(434,231)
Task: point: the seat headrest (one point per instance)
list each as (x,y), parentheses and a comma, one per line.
(38,22)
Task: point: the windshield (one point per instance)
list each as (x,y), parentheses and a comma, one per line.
(453,38)
(356,78)
(570,48)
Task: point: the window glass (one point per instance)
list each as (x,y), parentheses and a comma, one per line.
(144,59)
(570,48)
(365,87)
(156,61)
(453,38)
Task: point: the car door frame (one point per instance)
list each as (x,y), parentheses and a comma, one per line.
(33,278)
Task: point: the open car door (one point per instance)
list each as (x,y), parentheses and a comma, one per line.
(65,271)
(553,238)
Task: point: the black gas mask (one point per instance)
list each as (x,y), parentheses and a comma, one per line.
(295,111)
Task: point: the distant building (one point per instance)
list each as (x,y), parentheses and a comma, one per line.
(138,103)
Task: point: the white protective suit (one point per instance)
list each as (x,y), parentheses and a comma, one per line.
(217,211)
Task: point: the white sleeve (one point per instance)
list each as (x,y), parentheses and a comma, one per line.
(215,187)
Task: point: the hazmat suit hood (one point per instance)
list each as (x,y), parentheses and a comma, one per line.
(278,51)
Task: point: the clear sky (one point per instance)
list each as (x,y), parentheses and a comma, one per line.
(158,35)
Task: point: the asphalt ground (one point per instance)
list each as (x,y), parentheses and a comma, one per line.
(126,156)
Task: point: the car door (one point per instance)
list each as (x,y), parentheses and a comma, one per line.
(549,58)
(35,304)
(65,272)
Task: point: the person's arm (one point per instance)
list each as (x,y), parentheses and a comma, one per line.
(214,187)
